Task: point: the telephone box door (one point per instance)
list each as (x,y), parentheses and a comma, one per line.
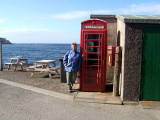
(93,67)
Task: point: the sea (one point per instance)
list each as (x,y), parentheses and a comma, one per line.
(35,52)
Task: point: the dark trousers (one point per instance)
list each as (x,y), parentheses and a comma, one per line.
(71,77)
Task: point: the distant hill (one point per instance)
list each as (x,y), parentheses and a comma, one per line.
(4,41)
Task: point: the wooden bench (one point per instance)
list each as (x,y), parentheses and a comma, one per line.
(41,69)
(11,64)
(16,64)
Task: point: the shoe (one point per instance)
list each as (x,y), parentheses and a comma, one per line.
(70,91)
(70,88)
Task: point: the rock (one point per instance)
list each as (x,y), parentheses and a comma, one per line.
(4,41)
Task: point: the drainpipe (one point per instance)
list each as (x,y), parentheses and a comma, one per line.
(117,70)
(1,67)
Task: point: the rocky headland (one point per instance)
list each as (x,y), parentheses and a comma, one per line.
(5,41)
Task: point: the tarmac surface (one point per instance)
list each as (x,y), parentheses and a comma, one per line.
(43,81)
(19,102)
(16,86)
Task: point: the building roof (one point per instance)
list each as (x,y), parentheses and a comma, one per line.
(101,16)
(139,18)
(155,19)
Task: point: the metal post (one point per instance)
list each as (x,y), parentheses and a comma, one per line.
(117,69)
(1,67)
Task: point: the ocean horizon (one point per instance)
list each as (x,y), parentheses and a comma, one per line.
(35,51)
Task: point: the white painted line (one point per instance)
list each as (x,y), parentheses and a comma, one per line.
(38,90)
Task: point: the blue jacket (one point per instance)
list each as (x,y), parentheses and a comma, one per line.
(72,61)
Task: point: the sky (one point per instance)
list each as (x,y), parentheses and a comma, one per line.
(59,21)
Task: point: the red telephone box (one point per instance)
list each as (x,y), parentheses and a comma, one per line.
(93,47)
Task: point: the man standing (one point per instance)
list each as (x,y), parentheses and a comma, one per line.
(72,62)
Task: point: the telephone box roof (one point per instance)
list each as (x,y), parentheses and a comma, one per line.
(93,20)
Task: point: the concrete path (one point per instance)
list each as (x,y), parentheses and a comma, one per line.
(97,97)
(38,90)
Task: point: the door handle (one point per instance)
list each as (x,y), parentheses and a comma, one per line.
(83,56)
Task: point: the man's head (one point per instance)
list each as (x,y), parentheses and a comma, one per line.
(74,46)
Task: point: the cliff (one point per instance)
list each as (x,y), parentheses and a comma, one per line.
(4,41)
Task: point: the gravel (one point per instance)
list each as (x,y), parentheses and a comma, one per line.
(40,80)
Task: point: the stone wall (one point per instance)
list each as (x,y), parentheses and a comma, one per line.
(112,38)
(132,62)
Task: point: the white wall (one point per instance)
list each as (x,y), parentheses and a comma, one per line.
(121,30)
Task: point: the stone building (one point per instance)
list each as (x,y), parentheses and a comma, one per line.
(139,38)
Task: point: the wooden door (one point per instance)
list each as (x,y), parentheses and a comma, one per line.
(150,80)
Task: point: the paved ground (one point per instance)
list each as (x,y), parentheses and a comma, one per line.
(38,80)
(150,104)
(22,104)
(41,98)
(43,81)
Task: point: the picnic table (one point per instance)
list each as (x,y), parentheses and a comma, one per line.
(18,62)
(48,66)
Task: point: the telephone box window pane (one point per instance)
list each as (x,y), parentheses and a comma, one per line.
(91,80)
(92,62)
(92,36)
(91,75)
(92,56)
(93,43)
(93,49)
